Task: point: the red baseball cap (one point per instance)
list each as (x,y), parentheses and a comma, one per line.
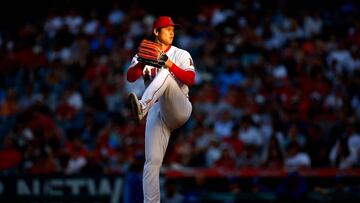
(164,21)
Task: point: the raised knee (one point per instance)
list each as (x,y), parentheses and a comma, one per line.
(184,117)
(181,119)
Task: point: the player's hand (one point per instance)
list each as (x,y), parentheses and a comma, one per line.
(155,63)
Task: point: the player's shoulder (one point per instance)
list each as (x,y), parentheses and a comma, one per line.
(179,51)
(182,58)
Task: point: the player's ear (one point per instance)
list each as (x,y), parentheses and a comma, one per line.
(156,32)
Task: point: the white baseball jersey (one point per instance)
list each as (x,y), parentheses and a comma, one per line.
(179,57)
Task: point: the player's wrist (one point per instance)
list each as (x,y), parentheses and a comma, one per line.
(168,64)
(163,58)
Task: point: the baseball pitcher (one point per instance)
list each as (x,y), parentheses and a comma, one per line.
(168,71)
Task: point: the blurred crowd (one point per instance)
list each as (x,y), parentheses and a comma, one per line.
(275,88)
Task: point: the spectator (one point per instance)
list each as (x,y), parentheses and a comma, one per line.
(77,157)
(293,135)
(172,194)
(213,152)
(74,21)
(273,154)
(250,157)
(295,158)
(249,133)
(227,159)
(340,155)
(223,125)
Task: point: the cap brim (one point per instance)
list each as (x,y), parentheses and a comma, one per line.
(176,26)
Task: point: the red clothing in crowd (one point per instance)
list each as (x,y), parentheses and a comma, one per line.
(10,158)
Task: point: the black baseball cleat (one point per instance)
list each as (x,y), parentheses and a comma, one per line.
(135,108)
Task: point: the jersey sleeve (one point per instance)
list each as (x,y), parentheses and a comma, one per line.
(134,71)
(133,62)
(183,68)
(186,62)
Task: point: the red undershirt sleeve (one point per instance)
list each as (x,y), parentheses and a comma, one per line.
(186,77)
(135,72)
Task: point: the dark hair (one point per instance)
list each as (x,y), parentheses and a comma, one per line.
(153,36)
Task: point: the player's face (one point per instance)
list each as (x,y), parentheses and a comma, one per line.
(166,35)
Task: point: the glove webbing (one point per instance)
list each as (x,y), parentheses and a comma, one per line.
(148,53)
(149,50)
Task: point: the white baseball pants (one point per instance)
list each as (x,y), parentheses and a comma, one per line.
(168,108)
